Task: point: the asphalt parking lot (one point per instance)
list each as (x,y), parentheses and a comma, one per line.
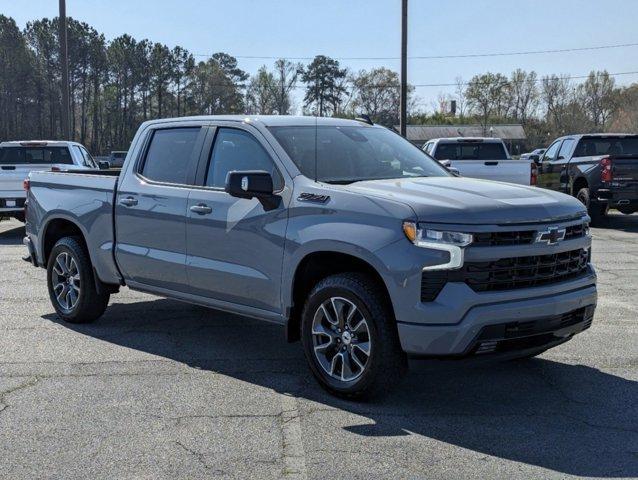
(160,389)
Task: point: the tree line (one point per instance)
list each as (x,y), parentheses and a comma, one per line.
(547,106)
(115,85)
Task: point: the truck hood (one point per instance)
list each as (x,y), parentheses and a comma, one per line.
(457,200)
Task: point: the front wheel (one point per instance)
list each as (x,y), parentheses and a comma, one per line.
(597,211)
(350,338)
(71,283)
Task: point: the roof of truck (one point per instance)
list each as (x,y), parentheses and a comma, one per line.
(598,135)
(38,143)
(467,139)
(267,120)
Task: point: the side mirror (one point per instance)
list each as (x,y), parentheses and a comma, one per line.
(454,171)
(249,184)
(445,163)
(104,165)
(535,158)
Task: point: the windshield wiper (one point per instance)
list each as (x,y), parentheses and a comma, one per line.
(341,182)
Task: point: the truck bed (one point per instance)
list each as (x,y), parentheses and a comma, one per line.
(511,171)
(85,198)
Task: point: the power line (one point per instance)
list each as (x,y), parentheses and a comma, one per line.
(439,57)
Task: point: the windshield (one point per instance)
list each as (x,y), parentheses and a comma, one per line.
(34,155)
(470,151)
(349,154)
(594,146)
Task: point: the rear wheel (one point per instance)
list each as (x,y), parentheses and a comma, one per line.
(71,283)
(350,337)
(597,211)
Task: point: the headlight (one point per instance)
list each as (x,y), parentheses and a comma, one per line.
(451,242)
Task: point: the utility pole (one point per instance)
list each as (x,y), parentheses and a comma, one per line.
(64,64)
(403,113)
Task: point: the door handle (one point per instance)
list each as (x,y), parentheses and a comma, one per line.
(128,202)
(491,163)
(201,209)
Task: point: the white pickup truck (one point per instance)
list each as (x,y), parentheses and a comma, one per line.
(18,159)
(485,158)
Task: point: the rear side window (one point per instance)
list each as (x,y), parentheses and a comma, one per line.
(470,151)
(87,159)
(238,150)
(34,155)
(565,148)
(591,147)
(169,155)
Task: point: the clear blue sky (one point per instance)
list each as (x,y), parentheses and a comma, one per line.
(365,28)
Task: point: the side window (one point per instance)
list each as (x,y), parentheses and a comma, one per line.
(169,155)
(87,161)
(552,151)
(428,148)
(236,149)
(566,148)
(88,157)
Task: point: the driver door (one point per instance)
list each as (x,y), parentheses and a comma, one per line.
(235,246)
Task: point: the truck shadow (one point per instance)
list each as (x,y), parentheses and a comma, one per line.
(572,419)
(617,221)
(13,236)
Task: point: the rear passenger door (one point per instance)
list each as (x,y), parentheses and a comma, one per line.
(235,245)
(151,207)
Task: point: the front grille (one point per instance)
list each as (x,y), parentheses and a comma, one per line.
(522,272)
(494,239)
(508,273)
(520,237)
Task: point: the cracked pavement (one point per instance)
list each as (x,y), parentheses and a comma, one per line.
(160,389)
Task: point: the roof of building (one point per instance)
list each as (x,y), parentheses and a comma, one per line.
(422,133)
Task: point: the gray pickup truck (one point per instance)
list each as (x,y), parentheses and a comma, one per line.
(361,245)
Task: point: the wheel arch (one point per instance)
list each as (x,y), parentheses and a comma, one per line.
(58,227)
(578,184)
(316,265)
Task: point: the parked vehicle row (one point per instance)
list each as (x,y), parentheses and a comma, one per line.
(353,239)
(18,159)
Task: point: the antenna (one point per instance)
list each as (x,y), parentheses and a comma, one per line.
(364,118)
(316,130)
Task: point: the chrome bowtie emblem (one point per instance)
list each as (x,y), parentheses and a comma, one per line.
(551,236)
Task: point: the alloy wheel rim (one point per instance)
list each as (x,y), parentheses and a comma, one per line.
(65,279)
(341,339)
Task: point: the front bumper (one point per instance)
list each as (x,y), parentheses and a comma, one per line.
(506,326)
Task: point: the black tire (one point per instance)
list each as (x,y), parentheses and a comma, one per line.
(386,363)
(89,304)
(597,211)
